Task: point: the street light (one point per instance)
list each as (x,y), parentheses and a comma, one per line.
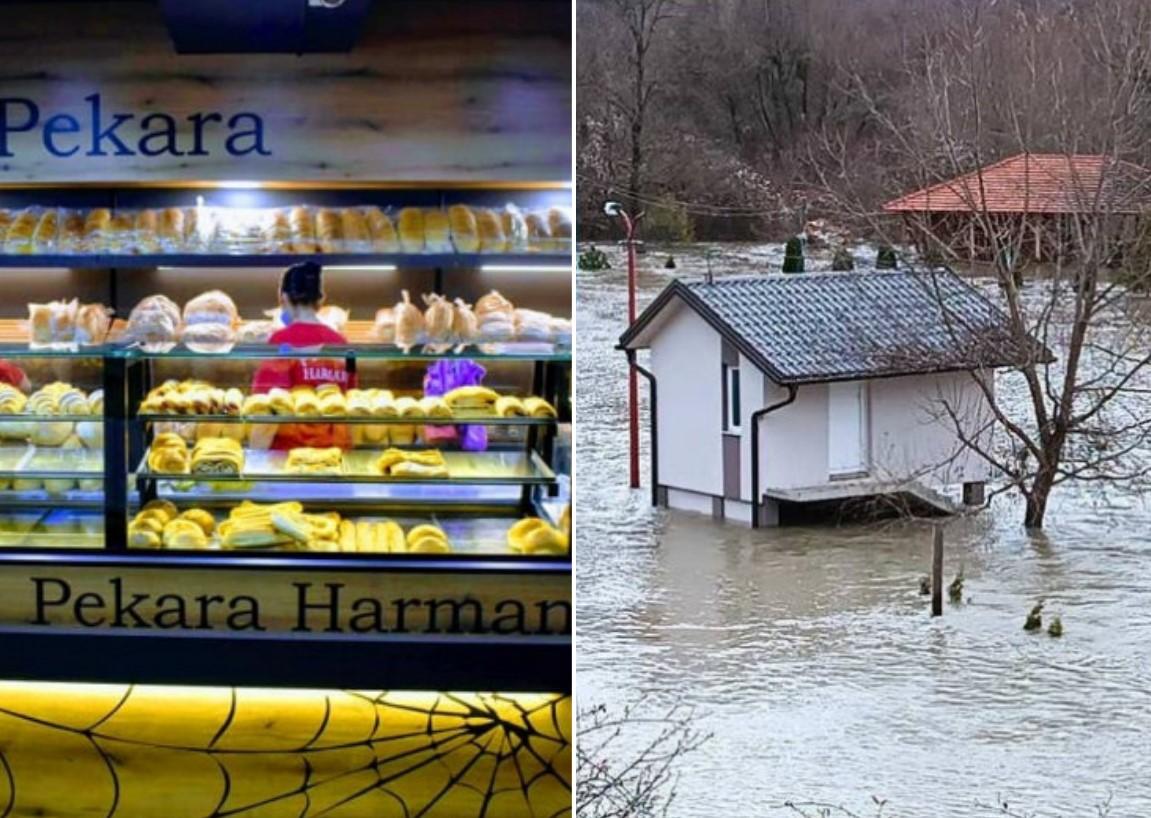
(615,210)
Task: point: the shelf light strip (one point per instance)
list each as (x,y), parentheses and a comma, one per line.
(523,268)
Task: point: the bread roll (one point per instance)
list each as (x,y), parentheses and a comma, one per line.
(92,324)
(303,230)
(47,231)
(465,236)
(147,232)
(19,238)
(384,328)
(277,233)
(465,325)
(171,229)
(354,226)
(437,231)
(5,222)
(118,233)
(560,228)
(539,236)
(491,232)
(95,229)
(412,230)
(438,319)
(71,232)
(211,307)
(209,337)
(328,231)
(409,323)
(382,231)
(515,228)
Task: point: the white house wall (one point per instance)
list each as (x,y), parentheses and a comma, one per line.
(793,439)
(685,358)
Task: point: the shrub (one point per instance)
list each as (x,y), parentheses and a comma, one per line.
(842,261)
(594,259)
(885,258)
(793,255)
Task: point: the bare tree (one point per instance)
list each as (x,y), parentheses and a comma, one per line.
(970,97)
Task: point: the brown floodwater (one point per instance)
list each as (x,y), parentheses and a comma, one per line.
(810,655)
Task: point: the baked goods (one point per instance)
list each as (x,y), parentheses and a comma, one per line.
(408,407)
(170,230)
(257,405)
(437,231)
(531,325)
(219,456)
(281,401)
(421,463)
(471,397)
(382,231)
(209,338)
(491,232)
(277,232)
(539,237)
(384,328)
(409,322)
(154,323)
(191,398)
(354,227)
(334,317)
(144,232)
(211,307)
(255,332)
(333,404)
(432,406)
(92,324)
(181,533)
(52,324)
(428,539)
(538,408)
(366,537)
(412,230)
(559,228)
(465,236)
(19,238)
(496,317)
(328,230)
(303,230)
(465,324)
(514,227)
(12,400)
(315,461)
(169,454)
(535,536)
(305,402)
(250,526)
(509,407)
(47,231)
(71,238)
(96,225)
(438,319)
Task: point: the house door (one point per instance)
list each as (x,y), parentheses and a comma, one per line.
(847,453)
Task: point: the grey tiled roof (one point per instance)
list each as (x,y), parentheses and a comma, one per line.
(839,326)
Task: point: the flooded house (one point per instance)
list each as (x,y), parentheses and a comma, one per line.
(774,392)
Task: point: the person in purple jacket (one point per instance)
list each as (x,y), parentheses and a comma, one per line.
(442,377)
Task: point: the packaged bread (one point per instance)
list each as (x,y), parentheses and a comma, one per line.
(170,231)
(496,317)
(334,317)
(491,232)
(198,225)
(532,325)
(71,238)
(465,325)
(354,229)
(47,231)
(382,231)
(437,231)
(561,331)
(5,222)
(211,307)
(146,239)
(538,234)
(277,232)
(119,235)
(384,328)
(52,324)
(19,238)
(303,230)
(328,234)
(210,338)
(92,324)
(515,228)
(438,319)
(154,323)
(255,332)
(409,321)
(96,225)
(559,222)
(463,226)
(412,230)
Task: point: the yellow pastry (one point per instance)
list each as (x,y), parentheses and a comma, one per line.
(411,230)
(333,404)
(306,460)
(257,405)
(490,231)
(184,534)
(437,231)
(538,408)
(535,536)
(219,456)
(508,406)
(465,236)
(471,397)
(408,407)
(428,539)
(202,518)
(281,401)
(434,407)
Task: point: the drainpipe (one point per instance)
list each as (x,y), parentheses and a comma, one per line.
(654,412)
(792,390)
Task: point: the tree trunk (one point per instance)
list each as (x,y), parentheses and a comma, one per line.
(1037,499)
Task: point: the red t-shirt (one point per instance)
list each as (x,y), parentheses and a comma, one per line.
(306,372)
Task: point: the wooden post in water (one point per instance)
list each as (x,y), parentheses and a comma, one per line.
(937,571)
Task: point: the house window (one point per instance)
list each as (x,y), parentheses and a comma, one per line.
(731,402)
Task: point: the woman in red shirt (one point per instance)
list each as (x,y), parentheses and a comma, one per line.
(301,296)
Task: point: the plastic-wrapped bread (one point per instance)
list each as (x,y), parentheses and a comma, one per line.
(47,231)
(465,325)
(354,228)
(118,234)
(96,226)
(92,324)
(532,325)
(465,236)
(539,235)
(515,228)
(491,232)
(496,316)
(71,232)
(278,233)
(147,230)
(303,230)
(561,329)
(384,328)
(493,302)
(334,317)
(560,229)
(438,319)
(409,323)
(154,323)
(170,231)
(437,231)
(197,229)
(209,337)
(211,307)
(5,222)
(328,230)
(412,230)
(19,239)
(381,231)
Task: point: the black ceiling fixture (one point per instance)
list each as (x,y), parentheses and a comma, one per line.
(264,26)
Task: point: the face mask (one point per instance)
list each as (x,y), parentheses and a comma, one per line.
(285,316)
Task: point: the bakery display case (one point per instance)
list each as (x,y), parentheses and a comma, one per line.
(143,330)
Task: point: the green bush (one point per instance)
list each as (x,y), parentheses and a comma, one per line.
(793,255)
(842,261)
(594,259)
(885,258)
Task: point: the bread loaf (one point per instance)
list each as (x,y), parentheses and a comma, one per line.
(382,231)
(328,230)
(412,230)
(19,238)
(47,231)
(71,232)
(303,231)
(491,232)
(354,227)
(465,236)
(437,231)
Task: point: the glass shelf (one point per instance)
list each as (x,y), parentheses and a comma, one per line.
(496,468)
(548,353)
(38,463)
(462,418)
(51,529)
(454,261)
(34,419)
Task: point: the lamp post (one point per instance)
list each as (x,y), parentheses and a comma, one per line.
(630,224)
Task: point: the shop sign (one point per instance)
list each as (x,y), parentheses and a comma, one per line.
(95,129)
(363,603)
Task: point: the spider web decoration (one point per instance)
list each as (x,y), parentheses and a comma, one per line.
(121,752)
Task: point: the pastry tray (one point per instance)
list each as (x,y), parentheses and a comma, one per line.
(507,468)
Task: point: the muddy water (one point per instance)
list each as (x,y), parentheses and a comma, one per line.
(809,653)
